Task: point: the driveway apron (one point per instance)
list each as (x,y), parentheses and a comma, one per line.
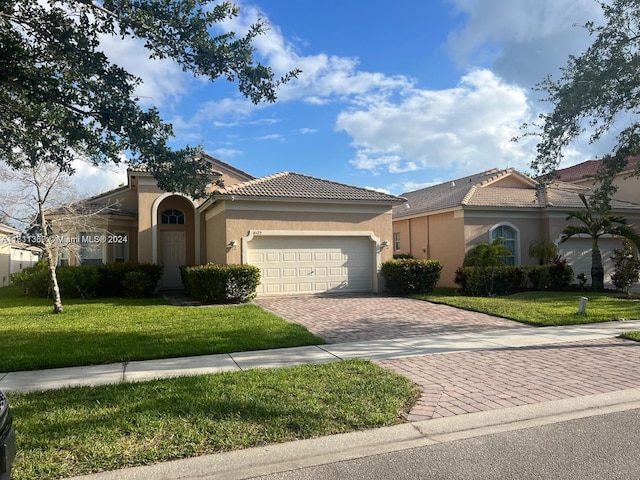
(472,381)
(467,382)
(342,319)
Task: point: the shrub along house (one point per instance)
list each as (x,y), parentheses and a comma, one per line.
(445,221)
(307,235)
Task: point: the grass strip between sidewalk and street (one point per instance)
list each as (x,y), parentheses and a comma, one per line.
(81,430)
(107,330)
(635,335)
(545,308)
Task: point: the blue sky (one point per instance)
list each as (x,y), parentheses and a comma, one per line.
(392,95)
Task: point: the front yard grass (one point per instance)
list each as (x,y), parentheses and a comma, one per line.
(100,331)
(81,430)
(545,308)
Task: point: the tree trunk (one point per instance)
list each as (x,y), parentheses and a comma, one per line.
(57,300)
(597,270)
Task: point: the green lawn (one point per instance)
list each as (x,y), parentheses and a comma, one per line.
(545,308)
(119,329)
(77,431)
(631,336)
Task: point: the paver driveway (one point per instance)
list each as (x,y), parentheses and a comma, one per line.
(466,382)
(340,319)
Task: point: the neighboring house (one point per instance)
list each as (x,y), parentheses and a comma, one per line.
(445,221)
(584,174)
(15,255)
(307,235)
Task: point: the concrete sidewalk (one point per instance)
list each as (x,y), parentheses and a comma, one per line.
(284,357)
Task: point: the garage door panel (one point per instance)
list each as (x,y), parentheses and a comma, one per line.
(322,264)
(577,252)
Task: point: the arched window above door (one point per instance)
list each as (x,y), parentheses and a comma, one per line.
(172,216)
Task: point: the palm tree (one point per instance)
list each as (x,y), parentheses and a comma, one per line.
(544,250)
(595,225)
(486,257)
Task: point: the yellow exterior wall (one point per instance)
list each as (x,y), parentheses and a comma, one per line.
(437,237)
(403,227)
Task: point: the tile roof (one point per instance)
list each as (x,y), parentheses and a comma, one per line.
(212,160)
(589,169)
(8,229)
(444,195)
(477,191)
(289,185)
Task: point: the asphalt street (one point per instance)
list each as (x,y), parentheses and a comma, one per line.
(599,447)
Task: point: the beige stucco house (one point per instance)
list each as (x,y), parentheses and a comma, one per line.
(15,255)
(307,235)
(444,221)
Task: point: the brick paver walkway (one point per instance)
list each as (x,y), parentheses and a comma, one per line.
(341,319)
(458,383)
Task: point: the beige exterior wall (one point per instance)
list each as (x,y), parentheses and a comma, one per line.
(216,236)
(232,221)
(628,187)
(529,224)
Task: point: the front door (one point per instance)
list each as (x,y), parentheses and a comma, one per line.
(173,257)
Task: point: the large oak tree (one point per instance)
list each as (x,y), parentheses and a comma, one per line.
(61,96)
(597,93)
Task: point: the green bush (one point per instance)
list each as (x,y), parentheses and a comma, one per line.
(220,284)
(406,276)
(34,281)
(113,276)
(108,280)
(138,283)
(78,282)
(512,279)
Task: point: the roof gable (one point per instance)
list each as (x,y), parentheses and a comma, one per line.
(461,191)
(294,186)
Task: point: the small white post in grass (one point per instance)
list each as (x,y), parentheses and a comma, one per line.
(582,308)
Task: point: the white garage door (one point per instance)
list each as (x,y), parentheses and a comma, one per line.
(291,265)
(577,251)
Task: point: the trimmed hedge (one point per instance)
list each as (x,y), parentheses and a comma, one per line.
(116,279)
(107,280)
(220,284)
(406,276)
(510,279)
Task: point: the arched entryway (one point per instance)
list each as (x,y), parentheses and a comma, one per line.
(176,238)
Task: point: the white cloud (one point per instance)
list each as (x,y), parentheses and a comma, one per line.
(463,128)
(324,78)
(306,130)
(226,153)
(91,180)
(523,40)
(163,81)
(271,136)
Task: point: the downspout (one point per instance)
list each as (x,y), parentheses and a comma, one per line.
(428,252)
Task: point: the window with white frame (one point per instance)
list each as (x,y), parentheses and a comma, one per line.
(92,248)
(396,241)
(120,247)
(511,237)
(63,256)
